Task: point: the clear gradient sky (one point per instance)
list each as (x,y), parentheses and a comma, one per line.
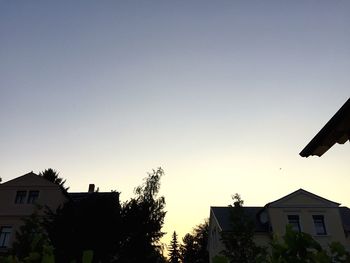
(223,95)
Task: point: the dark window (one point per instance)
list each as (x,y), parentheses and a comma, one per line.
(20,197)
(32,197)
(320,227)
(5,234)
(293,220)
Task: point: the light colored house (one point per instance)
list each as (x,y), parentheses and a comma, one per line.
(17,200)
(20,196)
(325,220)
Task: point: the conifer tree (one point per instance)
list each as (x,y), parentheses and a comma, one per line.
(53,176)
(174,252)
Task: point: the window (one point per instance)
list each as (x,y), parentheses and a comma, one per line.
(5,234)
(32,197)
(20,197)
(320,227)
(293,220)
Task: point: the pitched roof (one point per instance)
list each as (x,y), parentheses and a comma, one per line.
(29,179)
(223,214)
(336,130)
(302,191)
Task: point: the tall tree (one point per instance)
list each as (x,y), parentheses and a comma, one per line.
(188,249)
(174,252)
(142,220)
(53,176)
(239,244)
(194,247)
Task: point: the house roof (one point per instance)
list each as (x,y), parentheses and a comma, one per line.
(336,130)
(304,192)
(223,214)
(76,197)
(29,179)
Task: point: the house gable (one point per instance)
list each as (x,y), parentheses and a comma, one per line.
(302,198)
(29,179)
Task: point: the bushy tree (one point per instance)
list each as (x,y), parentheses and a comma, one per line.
(142,221)
(174,253)
(31,240)
(239,244)
(296,247)
(299,247)
(93,223)
(194,247)
(188,249)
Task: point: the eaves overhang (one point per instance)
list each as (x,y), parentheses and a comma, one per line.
(336,130)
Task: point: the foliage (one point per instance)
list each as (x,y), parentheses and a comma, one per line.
(96,222)
(194,247)
(239,244)
(299,247)
(53,176)
(142,220)
(31,241)
(188,249)
(219,259)
(338,253)
(174,252)
(47,257)
(93,223)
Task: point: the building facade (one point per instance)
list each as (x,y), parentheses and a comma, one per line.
(21,196)
(18,199)
(323,219)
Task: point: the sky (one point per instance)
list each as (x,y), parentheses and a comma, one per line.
(223,95)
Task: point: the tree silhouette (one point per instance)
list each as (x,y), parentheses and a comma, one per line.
(188,249)
(297,247)
(53,176)
(239,244)
(142,221)
(31,237)
(194,247)
(174,252)
(91,223)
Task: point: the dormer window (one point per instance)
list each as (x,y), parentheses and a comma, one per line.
(320,227)
(294,221)
(32,197)
(20,197)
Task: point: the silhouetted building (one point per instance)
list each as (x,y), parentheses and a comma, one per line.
(325,220)
(19,197)
(336,130)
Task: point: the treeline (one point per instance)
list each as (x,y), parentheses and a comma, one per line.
(96,228)
(193,248)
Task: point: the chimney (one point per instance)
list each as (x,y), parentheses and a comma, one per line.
(91,188)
